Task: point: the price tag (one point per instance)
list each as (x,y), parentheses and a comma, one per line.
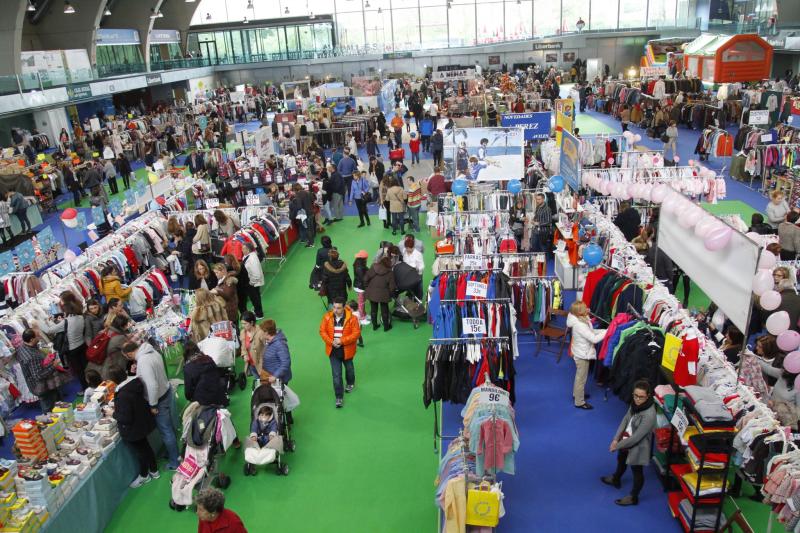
(253,161)
(758,117)
(766,138)
(680,421)
(493,395)
(253,199)
(616,262)
(476,289)
(246,176)
(472,261)
(473,326)
(211,203)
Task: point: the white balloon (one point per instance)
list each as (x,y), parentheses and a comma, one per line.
(767,260)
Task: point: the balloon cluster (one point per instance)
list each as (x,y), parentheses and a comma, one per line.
(631,137)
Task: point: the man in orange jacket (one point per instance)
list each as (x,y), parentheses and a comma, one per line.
(340,330)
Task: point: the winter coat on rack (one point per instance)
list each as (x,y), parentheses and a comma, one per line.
(204,316)
(638,443)
(379,283)
(227,290)
(335,279)
(131,411)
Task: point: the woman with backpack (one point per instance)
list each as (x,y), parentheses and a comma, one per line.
(104,350)
(67,334)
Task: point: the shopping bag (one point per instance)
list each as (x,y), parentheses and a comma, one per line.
(483,506)
(290,399)
(382,215)
(672,348)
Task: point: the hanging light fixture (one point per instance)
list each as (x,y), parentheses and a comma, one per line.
(249,4)
(208,16)
(107,12)
(380,10)
(286,11)
(312,16)
(245,21)
(68,9)
(366,5)
(580,24)
(31,8)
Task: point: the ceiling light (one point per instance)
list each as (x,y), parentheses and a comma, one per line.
(68,9)
(245,21)
(208,16)
(366,5)
(249,4)
(107,12)
(31,7)
(286,11)
(155,14)
(380,10)
(190,1)
(311,16)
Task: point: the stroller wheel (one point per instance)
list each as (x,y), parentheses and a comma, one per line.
(283,470)
(242,381)
(290,446)
(175,507)
(223,481)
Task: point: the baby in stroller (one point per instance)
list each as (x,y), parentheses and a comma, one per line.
(269,431)
(264,427)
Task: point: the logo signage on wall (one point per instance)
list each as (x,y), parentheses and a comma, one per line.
(652,72)
(494,60)
(76,92)
(447,75)
(397,55)
(536,125)
(547,46)
(153,79)
(165,36)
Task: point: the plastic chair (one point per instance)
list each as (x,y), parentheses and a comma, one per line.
(551,332)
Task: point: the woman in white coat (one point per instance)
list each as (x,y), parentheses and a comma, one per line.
(584,337)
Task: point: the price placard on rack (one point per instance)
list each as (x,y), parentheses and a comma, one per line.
(253,199)
(617,262)
(472,261)
(473,326)
(493,396)
(680,421)
(476,289)
(212,203)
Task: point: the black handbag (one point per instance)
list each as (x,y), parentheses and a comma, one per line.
(60,341)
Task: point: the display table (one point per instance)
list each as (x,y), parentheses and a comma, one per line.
(566,273)
(92,504)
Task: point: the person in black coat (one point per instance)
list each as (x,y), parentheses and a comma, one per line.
(322,253)
(202,380)
(134,421)
(628,221)
(124,169)
(335,278)
(200,272)
(195,162)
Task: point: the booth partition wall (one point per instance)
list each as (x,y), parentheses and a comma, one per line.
(312,28)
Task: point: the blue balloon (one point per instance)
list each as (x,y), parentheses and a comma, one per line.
(592,254)
(556,183)
(514,186)
(460,187)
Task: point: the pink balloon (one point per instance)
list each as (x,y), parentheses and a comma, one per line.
(656,159)
(659,193)
(676,159)
(718,238)
(788,340)
(767,260)
(610,160)
(647,192)
(797,383)
(778,322)
(671,203)
(632,190)
(623,192)
(792,363)
(763,282)
(704,225)
(691,162)
(691,217)
(770,300)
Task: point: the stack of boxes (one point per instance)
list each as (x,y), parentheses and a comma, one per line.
(29,440)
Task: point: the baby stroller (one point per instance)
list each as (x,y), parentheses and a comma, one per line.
(204,443)
(266,395)
(220,346)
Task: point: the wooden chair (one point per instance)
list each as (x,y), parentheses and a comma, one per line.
(738,519)
(551,332)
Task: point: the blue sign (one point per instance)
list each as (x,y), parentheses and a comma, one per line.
(570,162)
(98,217)
(115,207)
(138,188)
(7,263)
(81,220)
(25,253)
(107,36)
(130,197)
(537,125)
(46,240)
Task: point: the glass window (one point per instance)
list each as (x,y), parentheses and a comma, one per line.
(632,14)
(744,51)
(518,20)
(686,14)
(236,45)
(270,43)
(490,22)
(379,29)
(661,13)
(323,35)
(462,24)
(306,38)
(292,43)
(692,64)
(433,27)
(223,52)
(406,27)
(351,29)
(708,68)
(572,10)
(604,15)
(546,17)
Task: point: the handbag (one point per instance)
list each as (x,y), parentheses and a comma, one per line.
(60,341)
(366,196)
(373,180)
(483,506)
(664,138)
(382,215)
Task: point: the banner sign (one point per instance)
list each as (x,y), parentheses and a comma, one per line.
(46,239)
(98,217)
(153,79)
(536,125)
(653,72)
(80,221)
(570,161)
(565,116)
(547,46)
(484,154)
(77,92)
(758,117)
(25,253)
(447,75)
(7,263)
(263,143)
(107,37)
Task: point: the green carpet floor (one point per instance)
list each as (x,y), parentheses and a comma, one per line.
(591,126)
(367,467)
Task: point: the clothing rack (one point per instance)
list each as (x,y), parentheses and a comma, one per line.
(456,340)
(489,300)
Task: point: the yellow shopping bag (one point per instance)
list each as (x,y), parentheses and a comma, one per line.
(483,506)
(672,349)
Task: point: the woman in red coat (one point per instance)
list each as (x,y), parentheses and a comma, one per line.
(212,515)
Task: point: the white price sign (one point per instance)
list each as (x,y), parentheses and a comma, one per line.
(211,203)
(472,261)
(493,395)
(758,117)
(476,289)
(766,138)
(680,421)
(253,199)
(473,326)
(616,262)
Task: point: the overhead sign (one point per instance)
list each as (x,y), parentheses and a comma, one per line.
(77,92)
(547,46)
(165,36)
(110,37)
(653,72)
(397,55)
(448,75)
(536,125)
(570,161)
(758,117)
(154,79)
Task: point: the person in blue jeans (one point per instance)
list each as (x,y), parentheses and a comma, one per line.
(158,393)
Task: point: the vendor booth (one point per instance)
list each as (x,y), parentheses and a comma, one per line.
(729,58)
